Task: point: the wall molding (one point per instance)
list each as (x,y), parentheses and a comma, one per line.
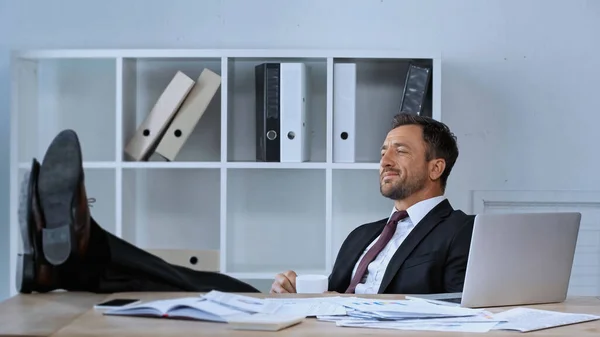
(480,199)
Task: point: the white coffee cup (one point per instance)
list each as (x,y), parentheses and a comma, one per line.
(311,284)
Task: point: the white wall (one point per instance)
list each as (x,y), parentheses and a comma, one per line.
(512,69)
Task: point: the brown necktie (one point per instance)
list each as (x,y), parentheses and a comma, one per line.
(384,238)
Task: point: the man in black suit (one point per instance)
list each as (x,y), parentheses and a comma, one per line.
(64,247)
(422,248)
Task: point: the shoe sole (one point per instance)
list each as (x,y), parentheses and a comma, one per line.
(58,180)
(26,261)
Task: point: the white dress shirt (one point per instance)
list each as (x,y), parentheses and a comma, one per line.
(376,269)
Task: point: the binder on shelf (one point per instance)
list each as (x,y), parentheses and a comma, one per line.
(295,138)
(416,89)
(267,81)
(150,131)
(344,112)
(188,115)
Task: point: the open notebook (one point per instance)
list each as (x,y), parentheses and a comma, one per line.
(244,317)
(196,308)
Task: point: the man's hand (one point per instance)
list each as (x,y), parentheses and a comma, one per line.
(284,283)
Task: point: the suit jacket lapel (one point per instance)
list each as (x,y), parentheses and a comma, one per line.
(357,249)
(429,222)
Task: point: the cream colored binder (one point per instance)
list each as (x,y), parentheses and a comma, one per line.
(201,260)
(149,132)
(189,114)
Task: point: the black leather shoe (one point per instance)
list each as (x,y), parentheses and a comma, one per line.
(33,271)
(63,200)
(26,260)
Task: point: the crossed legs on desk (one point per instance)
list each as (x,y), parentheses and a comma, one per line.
(64,247)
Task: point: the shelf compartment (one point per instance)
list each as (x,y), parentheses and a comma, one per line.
(357,200)
(143,82)
(57,94)
(275,213)
(379,90)
(171,209)
(241,106)
(101,189)
(200,260)
(262,284)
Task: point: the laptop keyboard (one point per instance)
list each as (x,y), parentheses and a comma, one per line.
(451,300)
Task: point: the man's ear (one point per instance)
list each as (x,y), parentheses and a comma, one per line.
(436,168)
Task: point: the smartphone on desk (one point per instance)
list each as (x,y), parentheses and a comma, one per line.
(117,303)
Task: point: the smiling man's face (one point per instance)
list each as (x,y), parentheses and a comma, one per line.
(404,168)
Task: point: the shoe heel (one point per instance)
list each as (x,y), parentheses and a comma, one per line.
(58,244)
(24,212)
(25,273)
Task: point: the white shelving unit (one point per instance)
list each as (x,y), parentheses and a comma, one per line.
(264,218)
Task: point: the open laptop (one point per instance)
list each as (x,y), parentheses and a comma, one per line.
(517,259)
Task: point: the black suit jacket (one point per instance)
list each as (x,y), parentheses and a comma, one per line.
(432,258)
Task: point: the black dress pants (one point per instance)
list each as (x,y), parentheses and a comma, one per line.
(114,265)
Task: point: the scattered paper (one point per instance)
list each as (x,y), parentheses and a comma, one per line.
(241,302)
(407,308)
(527,319)
(309,307)
(336,318)
(328,299)
(423,326)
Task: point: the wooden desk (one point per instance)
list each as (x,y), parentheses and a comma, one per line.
(43,314)
(71,314)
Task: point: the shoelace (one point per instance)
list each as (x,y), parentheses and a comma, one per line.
(25,181)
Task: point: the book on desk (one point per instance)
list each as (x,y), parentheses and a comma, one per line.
(202,309)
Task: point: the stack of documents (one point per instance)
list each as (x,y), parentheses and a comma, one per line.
(424,315)
(412,315)
(388,314)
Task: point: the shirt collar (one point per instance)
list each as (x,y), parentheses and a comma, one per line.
(418,211)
